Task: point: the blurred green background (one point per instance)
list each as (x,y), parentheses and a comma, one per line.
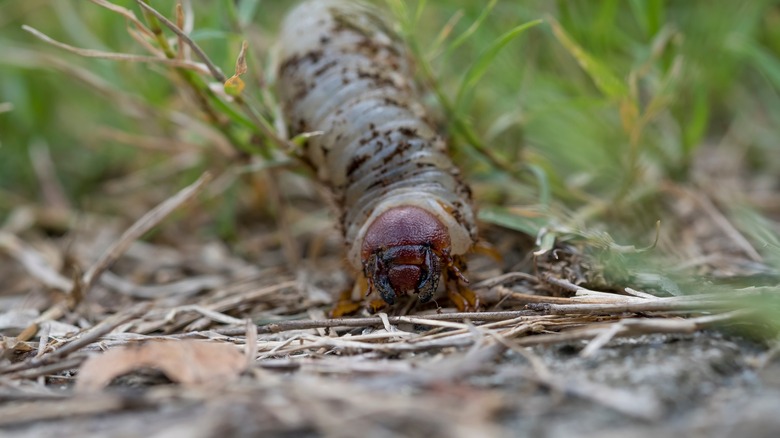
(590,116)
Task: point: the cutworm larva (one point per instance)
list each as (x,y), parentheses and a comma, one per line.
(406,214)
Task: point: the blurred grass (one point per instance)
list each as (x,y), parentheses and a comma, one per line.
(597,108)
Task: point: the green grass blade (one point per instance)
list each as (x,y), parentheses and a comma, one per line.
(543,183)
(473,28)
(606,81)
(401,13)
(247,10)
(649,14)
(419,11)
(760,57)
(507,219)
(695,128)
(478,69)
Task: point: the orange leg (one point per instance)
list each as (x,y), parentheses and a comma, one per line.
(485,248)
(461,296)
(351,300)
(376,305)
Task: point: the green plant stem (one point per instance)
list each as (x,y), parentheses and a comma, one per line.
(461,126)
(201,91)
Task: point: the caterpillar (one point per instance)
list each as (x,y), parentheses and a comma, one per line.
(405,213)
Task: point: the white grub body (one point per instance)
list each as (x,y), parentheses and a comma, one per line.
(342,71)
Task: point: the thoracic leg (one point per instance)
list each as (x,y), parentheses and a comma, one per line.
(461,296)
(351,300)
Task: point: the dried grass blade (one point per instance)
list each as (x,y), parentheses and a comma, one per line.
(141,227)
(212,68)
(33,262)
(127,13)
(90,53)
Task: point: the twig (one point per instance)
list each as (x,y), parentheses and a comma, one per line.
(185,287)
(659,305)
(86,338)
(509,277)
(529,298)
(70,363)
(208,313)
(639,293)
(563,283)
(259,122)
(284,326)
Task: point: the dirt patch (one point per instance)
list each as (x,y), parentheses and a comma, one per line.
(706,384)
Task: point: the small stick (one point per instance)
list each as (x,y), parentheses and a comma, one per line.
(659,305)
(504,291)
(563,283)
(306,324)
(53,368)
(89,336)
(509,277)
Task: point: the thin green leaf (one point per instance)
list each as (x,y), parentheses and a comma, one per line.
(478,69)
(758,55)
(400,12)
(444,33)
(760,230)
(419,11)
(473,28)
(543,183)
(507,219)
(300,139)
(606,81)
(545,242)
(654,10)
(209,34)
(649,14)
(247,10)
(696,126)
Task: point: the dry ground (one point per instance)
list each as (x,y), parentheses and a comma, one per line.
(195,337)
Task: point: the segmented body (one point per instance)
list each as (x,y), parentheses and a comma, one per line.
(343,72)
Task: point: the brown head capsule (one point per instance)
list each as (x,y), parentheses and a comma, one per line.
(402,252)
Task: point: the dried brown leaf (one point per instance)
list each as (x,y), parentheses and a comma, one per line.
(241,67)
(185,362)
